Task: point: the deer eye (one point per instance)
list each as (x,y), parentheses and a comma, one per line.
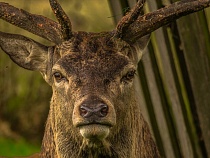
(129,76)
(58,77)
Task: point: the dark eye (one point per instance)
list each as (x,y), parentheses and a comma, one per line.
(106,81)
(129,76)
(58,77)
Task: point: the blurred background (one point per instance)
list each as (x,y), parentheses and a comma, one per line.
(173,86)
(24,95)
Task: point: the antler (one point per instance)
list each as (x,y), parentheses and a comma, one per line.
(132,27)
(35,24)
(62,19)
(131,17)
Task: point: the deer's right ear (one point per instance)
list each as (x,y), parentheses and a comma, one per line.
(25,52)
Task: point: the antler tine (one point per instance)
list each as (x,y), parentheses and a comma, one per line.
(129,18)
(149,22)
(62,19)
(35,24)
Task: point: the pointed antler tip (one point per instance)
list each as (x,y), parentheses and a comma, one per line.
(63,19)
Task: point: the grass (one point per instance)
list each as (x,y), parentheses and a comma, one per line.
(11,148)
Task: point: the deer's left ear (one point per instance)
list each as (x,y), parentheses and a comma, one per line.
(140,46)
(24,51)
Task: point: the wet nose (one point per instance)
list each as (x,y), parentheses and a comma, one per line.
(99,110)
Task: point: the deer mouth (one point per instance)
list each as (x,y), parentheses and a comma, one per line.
(94,130)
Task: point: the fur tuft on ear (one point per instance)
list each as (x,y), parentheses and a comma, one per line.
(138,48)
(24,51)
(140,45)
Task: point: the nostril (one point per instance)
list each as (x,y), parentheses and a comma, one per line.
(84,112)
(103,110)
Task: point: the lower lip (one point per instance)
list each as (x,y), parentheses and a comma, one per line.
(94,131)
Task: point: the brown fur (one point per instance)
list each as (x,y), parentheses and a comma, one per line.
(95,65)
(95,68)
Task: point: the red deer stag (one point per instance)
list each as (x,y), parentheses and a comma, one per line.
(93,111)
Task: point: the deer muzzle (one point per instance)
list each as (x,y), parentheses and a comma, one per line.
(94,116)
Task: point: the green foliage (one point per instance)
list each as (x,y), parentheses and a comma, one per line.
(12,148)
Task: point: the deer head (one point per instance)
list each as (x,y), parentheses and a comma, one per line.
(91,75)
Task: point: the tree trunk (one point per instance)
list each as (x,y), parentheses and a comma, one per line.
(195,42)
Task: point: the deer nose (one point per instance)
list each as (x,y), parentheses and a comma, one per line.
(100,110)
